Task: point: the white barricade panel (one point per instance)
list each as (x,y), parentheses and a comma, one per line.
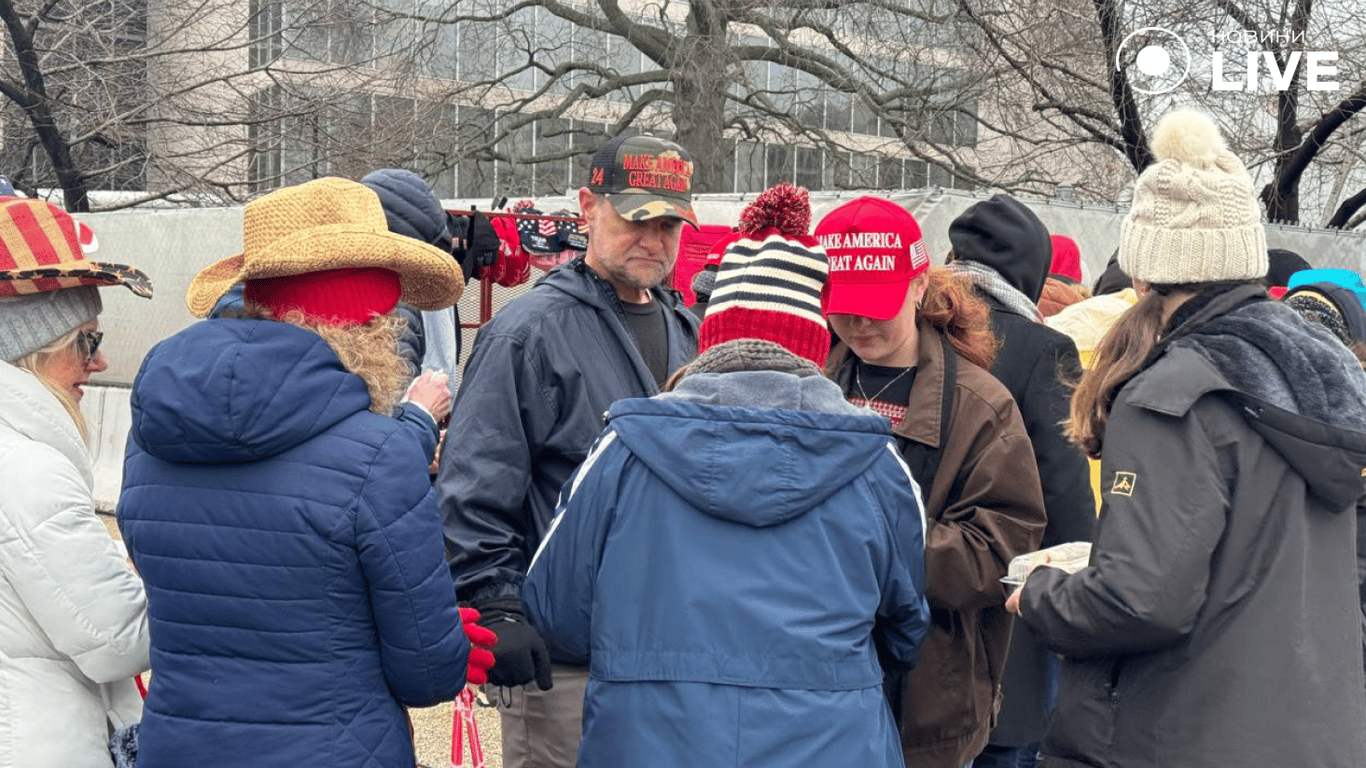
(108,416)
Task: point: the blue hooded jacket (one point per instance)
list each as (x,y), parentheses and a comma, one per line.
(291,548)
(732,576)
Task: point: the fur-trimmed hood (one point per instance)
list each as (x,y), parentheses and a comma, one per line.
(1296,385)
(1267,350)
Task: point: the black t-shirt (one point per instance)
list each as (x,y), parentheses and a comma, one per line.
(647,323)
(889,389)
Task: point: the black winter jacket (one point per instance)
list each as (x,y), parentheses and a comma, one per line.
(1218,621)
(541,376)
(1035,362)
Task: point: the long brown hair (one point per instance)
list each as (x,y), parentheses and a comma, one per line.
(951,305)
(1126,348)
(1119,356)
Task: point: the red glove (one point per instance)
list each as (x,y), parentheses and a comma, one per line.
(481,640)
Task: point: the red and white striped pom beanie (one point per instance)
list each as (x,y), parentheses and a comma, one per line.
(771,278)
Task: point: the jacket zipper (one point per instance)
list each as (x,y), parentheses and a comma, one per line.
(1114,683)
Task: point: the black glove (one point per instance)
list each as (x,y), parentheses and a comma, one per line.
(482,242)
(520,655)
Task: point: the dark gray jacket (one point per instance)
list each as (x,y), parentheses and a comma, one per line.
(1218,622)
(541,376)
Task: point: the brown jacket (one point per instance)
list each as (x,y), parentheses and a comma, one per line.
(984,507)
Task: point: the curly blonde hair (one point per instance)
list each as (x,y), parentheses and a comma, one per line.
(369,350)
(34,361)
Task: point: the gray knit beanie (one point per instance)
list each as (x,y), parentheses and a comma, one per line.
(752,355)
(31,321)
(1195,217)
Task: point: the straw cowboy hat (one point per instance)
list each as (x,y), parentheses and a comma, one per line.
(327,224)
(43,249)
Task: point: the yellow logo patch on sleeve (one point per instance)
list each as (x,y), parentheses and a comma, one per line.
(1124,483)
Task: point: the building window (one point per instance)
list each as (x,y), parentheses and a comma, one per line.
(966,128)
(780,164)
(863,172)
(552,137)
(727,183)
(515,177)
(864,121)
(587,137)
(809,167)
(264,26)
(838,107)
(263,137)
(917,174)
(749,167)
(940,177)
(889,173)
(474,178)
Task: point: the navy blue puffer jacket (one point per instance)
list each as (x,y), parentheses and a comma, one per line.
(291,548)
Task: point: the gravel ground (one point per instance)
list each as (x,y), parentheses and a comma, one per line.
(433,729)
(431,726)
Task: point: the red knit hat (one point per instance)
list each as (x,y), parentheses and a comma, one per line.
(332,296)
(771,278)
(1066,258)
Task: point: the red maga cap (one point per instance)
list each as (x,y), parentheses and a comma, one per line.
(875,251)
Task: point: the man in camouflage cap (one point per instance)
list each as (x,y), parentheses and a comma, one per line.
(541,374)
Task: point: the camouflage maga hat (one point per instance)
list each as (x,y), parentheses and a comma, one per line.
(644,178)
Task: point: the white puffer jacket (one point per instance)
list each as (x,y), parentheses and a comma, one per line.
(73,616)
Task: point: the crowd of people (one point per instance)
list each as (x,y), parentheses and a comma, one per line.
(770,529)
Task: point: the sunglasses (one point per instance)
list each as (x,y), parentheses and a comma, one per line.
(88,343)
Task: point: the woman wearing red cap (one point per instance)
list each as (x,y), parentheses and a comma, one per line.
(915,347)
(73,616)
(281,518)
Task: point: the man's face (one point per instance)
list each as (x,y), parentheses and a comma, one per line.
(633,256)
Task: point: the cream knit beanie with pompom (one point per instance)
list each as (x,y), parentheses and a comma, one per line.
(1195,217)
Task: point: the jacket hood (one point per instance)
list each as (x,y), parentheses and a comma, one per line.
(1005,235)
(599,293)
(29,410)
(410,206)
(592,291)
(234,390)
(1297,385)
(760,466)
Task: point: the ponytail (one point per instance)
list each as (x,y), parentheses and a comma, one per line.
(951,305)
